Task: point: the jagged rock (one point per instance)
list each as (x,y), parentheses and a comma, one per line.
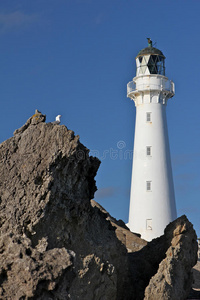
(27,272)
(38,117)
(131,240)
(195,291)
(55,243)
(174,278)
(47,181)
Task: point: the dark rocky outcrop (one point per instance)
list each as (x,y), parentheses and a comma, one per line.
(174,278)
(56,244)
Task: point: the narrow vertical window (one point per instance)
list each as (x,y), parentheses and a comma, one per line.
(149,224)
(148,117)
(148,151)
(148,186)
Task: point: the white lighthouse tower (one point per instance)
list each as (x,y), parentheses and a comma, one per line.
(152,201)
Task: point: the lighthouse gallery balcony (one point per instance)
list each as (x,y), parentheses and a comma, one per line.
(148,83)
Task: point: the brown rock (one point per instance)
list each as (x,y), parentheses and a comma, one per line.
(173,279)
(38,117)
(56,244)
(52,241)
(26,271)
(196,275)
(131,240)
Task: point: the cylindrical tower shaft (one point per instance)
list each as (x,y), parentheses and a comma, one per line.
(152,201)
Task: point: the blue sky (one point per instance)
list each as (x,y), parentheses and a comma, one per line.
(75,57)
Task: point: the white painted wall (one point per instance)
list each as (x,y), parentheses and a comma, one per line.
(158,204)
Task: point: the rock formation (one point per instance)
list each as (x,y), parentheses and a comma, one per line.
(174,278)
(56,244)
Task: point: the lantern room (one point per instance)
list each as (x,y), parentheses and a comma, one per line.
(150,60)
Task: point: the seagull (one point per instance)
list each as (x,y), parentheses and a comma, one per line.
(57,121)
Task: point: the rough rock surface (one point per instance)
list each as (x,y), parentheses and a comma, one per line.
(48,226)
(131,240)
(196,273)
(195,291)
(56,244)
(174,278)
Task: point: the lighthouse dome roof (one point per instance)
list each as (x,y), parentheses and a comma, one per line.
(150,50)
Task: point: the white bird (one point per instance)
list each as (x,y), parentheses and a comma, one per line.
(57,121)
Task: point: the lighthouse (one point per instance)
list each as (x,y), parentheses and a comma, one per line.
(152,199)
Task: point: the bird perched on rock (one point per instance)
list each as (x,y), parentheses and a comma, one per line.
(57,121)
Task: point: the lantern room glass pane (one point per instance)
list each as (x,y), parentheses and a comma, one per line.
(143,69)
(156,65)
(150,64)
